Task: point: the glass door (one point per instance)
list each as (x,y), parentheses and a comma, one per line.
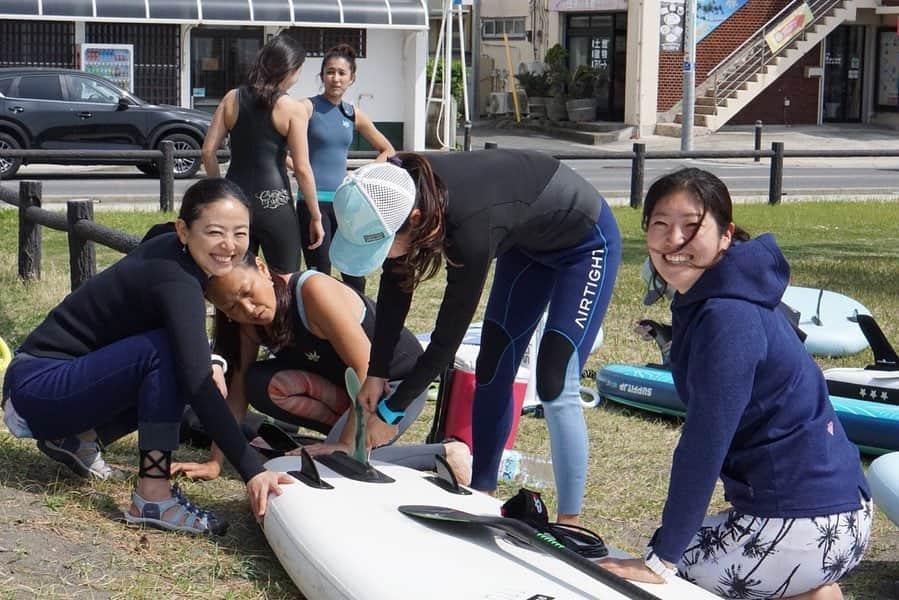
(843,72)
(220,61)
(600,41)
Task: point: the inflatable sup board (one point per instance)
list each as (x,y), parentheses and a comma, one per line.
(883,477)
(876,383)
(346,539)
(828,319)
(872,426)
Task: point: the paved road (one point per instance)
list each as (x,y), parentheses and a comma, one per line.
(124,187)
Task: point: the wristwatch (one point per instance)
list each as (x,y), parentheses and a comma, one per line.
(655,564)
(391,417)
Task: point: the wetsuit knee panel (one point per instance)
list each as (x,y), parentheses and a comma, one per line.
(494,342)
(552,363)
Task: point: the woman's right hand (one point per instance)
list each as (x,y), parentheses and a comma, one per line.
(371,392)
(316,233)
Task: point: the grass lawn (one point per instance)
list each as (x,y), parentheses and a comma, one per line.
(59,537)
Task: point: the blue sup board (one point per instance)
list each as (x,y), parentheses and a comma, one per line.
(872,426)
(828,319)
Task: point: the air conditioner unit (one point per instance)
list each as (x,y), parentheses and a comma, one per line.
(500,103)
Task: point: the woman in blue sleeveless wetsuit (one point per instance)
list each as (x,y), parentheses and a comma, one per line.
(316,327)
(555,242)
(263,122)
(330,135)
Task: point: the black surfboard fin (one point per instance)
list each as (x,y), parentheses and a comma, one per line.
(445,477)
(793,316)
(660,333)
(885,357)
(308,473)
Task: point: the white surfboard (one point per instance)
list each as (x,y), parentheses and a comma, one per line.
(350,542)
(827,318)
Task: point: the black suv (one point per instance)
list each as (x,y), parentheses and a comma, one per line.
(56,109)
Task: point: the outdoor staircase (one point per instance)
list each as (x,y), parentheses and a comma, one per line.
(752,67)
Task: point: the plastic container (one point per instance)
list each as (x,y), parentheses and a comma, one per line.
(526,469)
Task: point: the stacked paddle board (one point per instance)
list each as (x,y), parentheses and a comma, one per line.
(351,542)
(872,426)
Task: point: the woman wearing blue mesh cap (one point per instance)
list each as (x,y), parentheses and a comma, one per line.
(555,242)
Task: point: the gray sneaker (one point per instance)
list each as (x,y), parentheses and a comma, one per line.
(84,458)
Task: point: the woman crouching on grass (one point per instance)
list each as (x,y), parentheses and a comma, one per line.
(317,327)
(127,350)
(758,416)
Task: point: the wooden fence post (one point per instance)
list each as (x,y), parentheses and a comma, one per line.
(167,177)
(29,232)
(82,252)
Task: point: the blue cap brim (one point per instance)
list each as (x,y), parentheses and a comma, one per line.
(355,259)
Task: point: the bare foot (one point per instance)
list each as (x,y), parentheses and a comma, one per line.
(830,591)
(568,519)
(459,459)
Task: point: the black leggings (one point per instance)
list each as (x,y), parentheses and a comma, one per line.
(319,259)
(274,228)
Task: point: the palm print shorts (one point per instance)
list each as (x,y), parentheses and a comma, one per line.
(740,556)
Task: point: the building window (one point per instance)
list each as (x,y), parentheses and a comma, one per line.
(495,28)
(318,40)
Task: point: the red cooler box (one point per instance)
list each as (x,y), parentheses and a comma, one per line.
(457,422)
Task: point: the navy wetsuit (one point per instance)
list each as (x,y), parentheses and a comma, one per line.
(258,154)
(330,135)
(128,348)
(556,242)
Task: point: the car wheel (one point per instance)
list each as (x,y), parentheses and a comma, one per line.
(8,164)
(184,167)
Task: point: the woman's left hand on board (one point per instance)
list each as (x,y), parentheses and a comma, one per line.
(630,568)
(260,486)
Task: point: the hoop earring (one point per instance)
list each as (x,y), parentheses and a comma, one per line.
(183,248)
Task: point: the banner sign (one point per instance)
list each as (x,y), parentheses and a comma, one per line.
(671,26)
(789,28)
(711,13)
(587,5)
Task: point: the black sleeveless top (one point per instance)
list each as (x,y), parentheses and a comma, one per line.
(258,153)
(311,353)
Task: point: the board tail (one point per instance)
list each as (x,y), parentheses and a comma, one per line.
(885,357)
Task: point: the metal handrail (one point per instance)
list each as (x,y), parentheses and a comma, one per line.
(752,56)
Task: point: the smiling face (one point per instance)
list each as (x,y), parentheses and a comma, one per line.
(337,75)
(218,237)
(245,295)
(682,241)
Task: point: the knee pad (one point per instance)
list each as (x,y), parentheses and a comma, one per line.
(552,363)
(494,341)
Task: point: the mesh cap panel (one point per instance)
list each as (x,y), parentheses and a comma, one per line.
(390,190)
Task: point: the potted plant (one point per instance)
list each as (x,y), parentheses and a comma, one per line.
(556,70)
(582,84)
(536,88)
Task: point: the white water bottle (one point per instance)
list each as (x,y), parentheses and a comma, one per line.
(526,469)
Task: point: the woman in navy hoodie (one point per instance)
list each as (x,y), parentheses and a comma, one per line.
(758,417)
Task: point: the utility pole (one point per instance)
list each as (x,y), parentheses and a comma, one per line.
(686,137)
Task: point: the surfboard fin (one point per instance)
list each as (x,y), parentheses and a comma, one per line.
(445,477)
(308,473)
(660,333)
(885,357)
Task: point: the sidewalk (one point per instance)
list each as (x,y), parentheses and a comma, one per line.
(847,136)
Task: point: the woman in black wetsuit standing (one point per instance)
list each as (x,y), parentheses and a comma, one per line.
(556,244)
(263,122)
(127,350)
